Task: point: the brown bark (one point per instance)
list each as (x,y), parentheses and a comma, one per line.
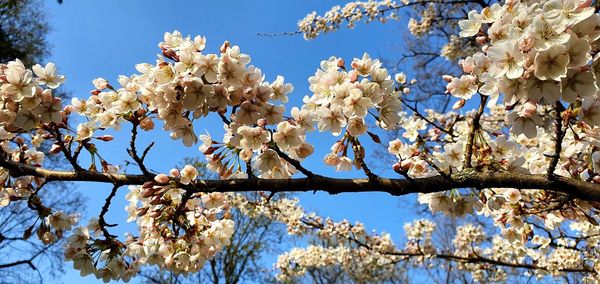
(465,179)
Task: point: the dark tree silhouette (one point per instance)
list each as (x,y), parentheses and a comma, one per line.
(23,30)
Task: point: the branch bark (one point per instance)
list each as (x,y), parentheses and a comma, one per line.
(465,179)
(472,131)
(559,133)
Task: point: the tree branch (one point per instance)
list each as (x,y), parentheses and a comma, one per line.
(465,179)
(417,113)
(359,156)
(475,125)
(559,133)
(104,210)
(293,162)
(66,150)
(132,151)
(25,261)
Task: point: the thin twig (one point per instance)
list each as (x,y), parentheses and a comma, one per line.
(416,112)
(132,151)
(293,162)
(358,155)
(475,125)
(146,151)
(224,119)
(101,220)
(559,133)
(249,172)
(66,151)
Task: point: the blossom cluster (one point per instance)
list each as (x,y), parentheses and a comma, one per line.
(184,84)
(426,18)
(341,102)
(344,98)
(27,105)
(312,25)
(178,231)
(26,96)
(534,54)
(496,149)
(371,257)
(359,263)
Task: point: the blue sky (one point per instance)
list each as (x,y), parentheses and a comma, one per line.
(93,39)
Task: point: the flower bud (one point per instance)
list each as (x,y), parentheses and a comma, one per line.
(161,178)
(529,108)
(261,122)
(467,65)
(105,138)
(406,165)
(526,43)
(142,211)
(447,78)
(331,159)
(585,4)
(338,147)
(481,40)
(147,124)
(68,109)
(458,104)
(174,172)
(400,78)
(55,149)
(353,76)
(148,192)
(154,214)
(341,63)
(224,46)
(140,112)
(155,200)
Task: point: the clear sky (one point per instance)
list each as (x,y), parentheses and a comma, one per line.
(107,38)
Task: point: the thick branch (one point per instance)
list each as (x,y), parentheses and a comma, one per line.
(465,179)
